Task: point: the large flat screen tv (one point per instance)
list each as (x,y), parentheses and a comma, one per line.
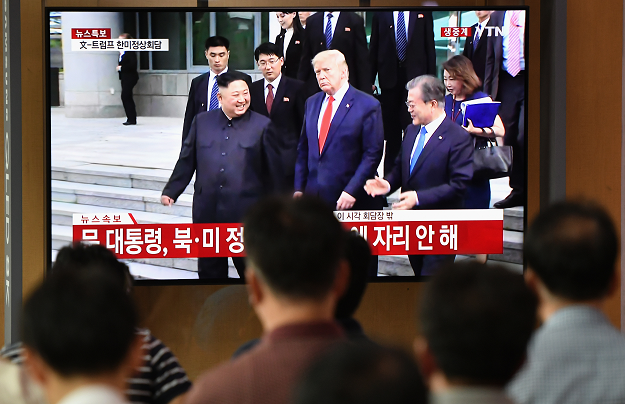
(130,98)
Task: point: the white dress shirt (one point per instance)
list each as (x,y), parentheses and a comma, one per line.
(212,81)
(334,19)
(287,40)
(480,28)
(406,19)
(338,97)
(274,84)
(94,394)
(430,129)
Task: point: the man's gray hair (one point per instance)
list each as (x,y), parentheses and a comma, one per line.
(431,89)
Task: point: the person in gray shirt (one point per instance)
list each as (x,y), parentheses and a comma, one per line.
(576,356)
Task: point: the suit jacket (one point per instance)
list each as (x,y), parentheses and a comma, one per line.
(128,72)
(420,53)
(349,38)
(494,56)
(198,99)
(351,154)
(293,54)
(443,170)
(235,163)
(477,56)
(287,115)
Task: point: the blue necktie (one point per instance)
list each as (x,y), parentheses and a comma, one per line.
(478,33)
(402,41)
(329,31)
(419,149)
(214,102)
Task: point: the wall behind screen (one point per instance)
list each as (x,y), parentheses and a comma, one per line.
(204,324)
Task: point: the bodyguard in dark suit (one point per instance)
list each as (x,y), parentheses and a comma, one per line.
(342,138)
(291,41)
(234,156)
(280,98)
(504,80)
(343,31)
(203,91)
(401,48)
(127,70)
(435,164)
(475,46)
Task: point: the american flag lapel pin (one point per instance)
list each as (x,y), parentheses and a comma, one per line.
(440,137)
(347,106)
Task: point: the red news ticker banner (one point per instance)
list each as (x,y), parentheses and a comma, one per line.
(388,233)
(455,32)
(91,33)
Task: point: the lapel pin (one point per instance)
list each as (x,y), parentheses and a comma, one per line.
(420,16)
(296,42)
(440,137)
(347,105)
(347,29)
(286,99)
(391,26)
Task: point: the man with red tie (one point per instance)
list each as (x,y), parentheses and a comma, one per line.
(342,138)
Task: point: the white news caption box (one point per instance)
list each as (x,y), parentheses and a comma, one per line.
(116,45)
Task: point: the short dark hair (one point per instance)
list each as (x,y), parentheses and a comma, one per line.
(216,41)
(358,256)
(81,257)
(80,323)
(295,245)
(268,48)
(477,321)
(224,79)
(362,374)
(572,247)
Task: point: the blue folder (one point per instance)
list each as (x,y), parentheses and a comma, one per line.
(481,112)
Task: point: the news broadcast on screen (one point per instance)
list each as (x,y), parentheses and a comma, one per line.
(166,125)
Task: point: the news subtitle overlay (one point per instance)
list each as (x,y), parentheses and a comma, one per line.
(99,39)
(388,233)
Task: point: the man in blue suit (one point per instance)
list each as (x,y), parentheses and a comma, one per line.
(435,163)
(342,138)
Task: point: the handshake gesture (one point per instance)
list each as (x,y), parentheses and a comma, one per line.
(380,186)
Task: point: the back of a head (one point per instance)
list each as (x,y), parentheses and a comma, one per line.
(477,321)
(295,246)
(80,323)
(362,374)
(572,247)
(358,256)
(92,257)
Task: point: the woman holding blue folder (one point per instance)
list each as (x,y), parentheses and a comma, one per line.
(462,83)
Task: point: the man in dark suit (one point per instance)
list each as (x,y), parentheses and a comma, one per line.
(282,100)
(233,153)
(435,163)
(475,46)
(342,138)
(127,70)
(504,80)
(204,88)
(343,31)
(401,48)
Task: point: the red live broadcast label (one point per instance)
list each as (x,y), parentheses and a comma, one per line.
(399,233)
(455,32)
(91,33)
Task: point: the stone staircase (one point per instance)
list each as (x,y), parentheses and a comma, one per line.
(115,189)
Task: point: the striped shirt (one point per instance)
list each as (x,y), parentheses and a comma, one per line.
(158,381)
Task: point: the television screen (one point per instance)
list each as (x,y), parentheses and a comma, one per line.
(165,125)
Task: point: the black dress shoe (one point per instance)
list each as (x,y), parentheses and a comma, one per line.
(510,201)
(129,123)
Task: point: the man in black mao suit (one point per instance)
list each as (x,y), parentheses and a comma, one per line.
(346,33)
(127,70)
(233,153)
(476,44)
(284,106)
(395,65)
(504,80)
(435,163)
(203,90)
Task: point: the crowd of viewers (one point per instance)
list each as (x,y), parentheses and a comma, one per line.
(486,334)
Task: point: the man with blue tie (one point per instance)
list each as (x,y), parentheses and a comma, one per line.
(475,46)
(435,163)
(204,88)
(342,139)
(504,81)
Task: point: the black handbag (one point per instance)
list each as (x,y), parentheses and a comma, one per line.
(491,161)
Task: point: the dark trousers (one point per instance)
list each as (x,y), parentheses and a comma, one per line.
(217,267)
(127,100)
(426,265)
(511,93)
(395,116)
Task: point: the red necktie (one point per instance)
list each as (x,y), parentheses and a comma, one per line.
(269,97)
(325,124)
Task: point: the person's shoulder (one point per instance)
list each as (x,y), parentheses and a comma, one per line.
(351,15)
(366,99)
(201,77)
(257,85)
(453,130)
(258,120)
(291,83)
(221,384)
